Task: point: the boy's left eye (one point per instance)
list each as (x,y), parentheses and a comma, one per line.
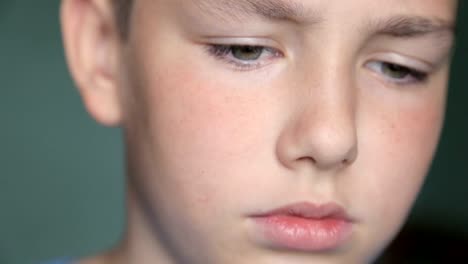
(396,73)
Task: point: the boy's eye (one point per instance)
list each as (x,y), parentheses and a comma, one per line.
(247,53)
(244,57)
(397,73)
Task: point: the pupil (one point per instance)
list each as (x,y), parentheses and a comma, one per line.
(247,52)
(396,71)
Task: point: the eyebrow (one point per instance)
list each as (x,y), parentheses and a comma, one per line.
(402,26)
(275,10)
(412,26)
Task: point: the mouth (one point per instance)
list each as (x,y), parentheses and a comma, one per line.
(304,226)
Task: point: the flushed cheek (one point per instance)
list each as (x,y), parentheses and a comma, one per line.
(205,121)
(203,131)
(199,137)
(402,145)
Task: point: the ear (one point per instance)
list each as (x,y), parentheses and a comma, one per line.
(91,42)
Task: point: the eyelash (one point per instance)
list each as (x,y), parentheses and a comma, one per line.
(224,53)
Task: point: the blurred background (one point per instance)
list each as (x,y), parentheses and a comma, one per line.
(61,174)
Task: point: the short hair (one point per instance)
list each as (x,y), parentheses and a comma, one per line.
(122,10)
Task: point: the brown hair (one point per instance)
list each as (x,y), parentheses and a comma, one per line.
(122,14)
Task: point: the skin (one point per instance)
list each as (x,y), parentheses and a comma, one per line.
(209,144)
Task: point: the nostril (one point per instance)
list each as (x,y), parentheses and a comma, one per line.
(326,157)
(350,157)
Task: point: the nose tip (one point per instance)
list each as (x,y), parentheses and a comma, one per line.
(326,143)
(328,147)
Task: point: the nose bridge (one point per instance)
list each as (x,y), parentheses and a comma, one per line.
(326,127)
(331,97)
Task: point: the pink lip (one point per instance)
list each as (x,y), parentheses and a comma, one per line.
(304,226)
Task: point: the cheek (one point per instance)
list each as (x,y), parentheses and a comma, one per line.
(191,150)
(200,132)
(204,119)
(410,135)
(405,152)
(398,144)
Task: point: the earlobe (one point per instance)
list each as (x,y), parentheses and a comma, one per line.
(91,46)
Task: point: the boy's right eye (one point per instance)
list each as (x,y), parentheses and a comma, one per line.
(247,53)
(244,57)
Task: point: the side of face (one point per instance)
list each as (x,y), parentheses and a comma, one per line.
(333,109)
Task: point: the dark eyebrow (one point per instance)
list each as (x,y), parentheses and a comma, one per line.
(412,26)
(276,10)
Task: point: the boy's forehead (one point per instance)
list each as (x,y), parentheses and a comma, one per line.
(269,9)
(301,11)
(438,18)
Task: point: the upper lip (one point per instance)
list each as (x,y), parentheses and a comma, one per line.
(309,210)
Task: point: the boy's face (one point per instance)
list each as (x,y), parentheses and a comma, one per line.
(234,108)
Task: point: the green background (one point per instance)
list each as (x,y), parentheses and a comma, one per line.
(61,174)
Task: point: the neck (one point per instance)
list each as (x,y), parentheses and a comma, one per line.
(140,244)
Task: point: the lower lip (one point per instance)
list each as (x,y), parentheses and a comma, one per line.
(304,234)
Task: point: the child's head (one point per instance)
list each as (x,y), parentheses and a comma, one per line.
(232,109)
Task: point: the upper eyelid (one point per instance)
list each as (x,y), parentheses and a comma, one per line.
(402,60)
(415,75)
(228,47)
(410,68)
(231,46)
(245,41)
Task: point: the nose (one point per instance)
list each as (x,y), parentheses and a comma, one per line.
(322,132)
